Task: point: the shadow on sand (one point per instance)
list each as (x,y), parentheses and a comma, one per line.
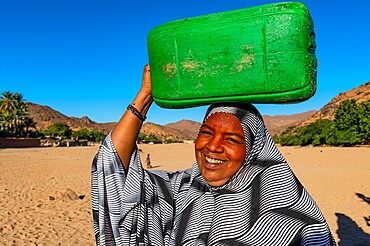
(363,197)
(349,233)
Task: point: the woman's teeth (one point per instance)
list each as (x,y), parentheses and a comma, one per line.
(210,160)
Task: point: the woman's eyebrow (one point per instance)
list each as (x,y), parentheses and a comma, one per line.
(207,126)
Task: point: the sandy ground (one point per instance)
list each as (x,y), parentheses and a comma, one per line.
(36,210)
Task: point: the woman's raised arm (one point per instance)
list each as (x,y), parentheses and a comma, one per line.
(125,133)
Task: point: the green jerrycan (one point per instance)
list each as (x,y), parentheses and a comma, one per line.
(261,54)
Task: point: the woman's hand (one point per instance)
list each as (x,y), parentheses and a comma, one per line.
(146,84)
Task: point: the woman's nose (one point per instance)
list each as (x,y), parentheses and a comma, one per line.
(215,144)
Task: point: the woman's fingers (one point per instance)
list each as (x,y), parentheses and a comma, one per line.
(146,81)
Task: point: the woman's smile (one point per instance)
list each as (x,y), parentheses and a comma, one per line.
(213,163)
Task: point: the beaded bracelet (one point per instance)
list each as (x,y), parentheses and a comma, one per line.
(136,112)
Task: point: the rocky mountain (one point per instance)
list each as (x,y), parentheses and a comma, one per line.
(165,132)
(187,127)
(278,123)
(45,116)
(360,94)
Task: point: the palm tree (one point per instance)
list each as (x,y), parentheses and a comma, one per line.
(19,99)
(28,123)
(7,102)
(14,113)
(6,124)
(19,116)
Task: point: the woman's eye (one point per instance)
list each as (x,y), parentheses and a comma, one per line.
(233,140)
(205,132)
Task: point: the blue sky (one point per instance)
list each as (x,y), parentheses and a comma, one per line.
(85,58)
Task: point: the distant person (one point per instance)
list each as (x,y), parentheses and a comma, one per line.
(147,162)
(240,191)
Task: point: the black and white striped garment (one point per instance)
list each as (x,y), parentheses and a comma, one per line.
(262,204)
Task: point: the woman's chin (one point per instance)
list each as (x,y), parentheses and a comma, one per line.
(213,173)
(213,181)
(216,183)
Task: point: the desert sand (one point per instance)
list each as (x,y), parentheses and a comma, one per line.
(45,192)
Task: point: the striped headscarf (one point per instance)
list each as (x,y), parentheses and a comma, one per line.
(262,204)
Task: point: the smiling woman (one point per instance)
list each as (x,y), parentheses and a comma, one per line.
(240,191)
(220,148)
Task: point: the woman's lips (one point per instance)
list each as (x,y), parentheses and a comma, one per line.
(212,163)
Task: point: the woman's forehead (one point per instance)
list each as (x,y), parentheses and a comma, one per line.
(223,121)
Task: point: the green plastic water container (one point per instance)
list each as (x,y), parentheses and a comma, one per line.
(261,54)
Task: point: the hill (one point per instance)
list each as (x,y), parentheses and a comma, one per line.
(360,94)
(44,116)
(278,123)
(165,132)
(187,127)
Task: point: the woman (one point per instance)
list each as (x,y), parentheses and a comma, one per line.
(240,191)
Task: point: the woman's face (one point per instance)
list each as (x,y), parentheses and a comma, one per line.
(220,148)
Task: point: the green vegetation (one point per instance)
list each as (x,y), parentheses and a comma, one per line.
(60,130)
(15,122)
(92,136)
(63,131)
(169,141)
(351,126)
(14,116)
(142,137)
